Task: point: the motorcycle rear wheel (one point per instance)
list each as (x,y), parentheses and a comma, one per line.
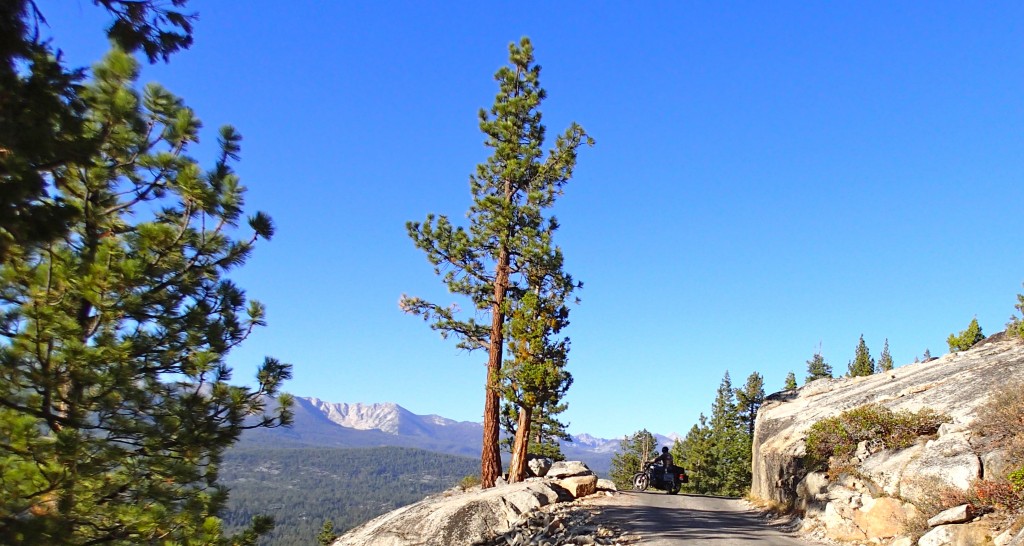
(640,481)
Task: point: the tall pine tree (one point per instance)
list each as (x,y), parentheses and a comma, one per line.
(749,400)
(885,360)
(509,236)
(115,401)
(730,446)
(862,363)
(534,378)
(694,454)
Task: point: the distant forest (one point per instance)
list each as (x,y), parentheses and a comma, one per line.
(303,487)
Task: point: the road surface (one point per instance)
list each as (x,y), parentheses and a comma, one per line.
(693,520)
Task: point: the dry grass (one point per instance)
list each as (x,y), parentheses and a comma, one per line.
(1001,421)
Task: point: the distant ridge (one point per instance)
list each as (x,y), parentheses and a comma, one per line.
(340,424)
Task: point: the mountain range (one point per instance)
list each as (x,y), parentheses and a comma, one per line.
(331,424)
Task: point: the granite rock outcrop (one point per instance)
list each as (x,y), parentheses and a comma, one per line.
(476,516)
(886,492)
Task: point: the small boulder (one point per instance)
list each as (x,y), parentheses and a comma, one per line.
(606,485)
(539,466)
(579,486)
(881,518)
(957,514)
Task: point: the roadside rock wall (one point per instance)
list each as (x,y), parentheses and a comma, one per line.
(890,486)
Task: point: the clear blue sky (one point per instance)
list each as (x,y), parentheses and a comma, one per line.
(767,177)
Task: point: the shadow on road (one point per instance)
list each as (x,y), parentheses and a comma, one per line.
(690,524)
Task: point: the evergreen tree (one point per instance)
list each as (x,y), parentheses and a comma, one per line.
(115,406)
(817,368)
(1016,325)
(729,444)
(885,361)
(749,400)
(790,382)
(633,452)
(508,235)
(43,122)
(546,431)
(694,454)
(535,378)
(862,363)
(968,338)
(927,355)
(326,536)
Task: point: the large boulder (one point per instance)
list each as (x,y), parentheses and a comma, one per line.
(975,534)
(568,469)
(455,519)
(883,517)
(579,486)
(464,518)
(947,461)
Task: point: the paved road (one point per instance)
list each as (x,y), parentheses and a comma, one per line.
(674,520)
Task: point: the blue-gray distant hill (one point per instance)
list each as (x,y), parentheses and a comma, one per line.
(336,424)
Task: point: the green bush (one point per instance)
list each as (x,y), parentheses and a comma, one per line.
(837,437)
(1016,478)
(469,482)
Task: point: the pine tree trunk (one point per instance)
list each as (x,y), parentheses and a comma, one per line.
(521,446)
(490,458)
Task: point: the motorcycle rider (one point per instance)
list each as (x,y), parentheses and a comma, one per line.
(666,461)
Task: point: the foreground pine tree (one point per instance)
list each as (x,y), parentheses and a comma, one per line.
(42,114)
(115,401)
(507,251)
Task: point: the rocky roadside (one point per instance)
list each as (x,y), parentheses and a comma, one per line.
(572,523)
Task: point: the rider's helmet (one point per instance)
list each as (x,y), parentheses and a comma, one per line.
(664,449)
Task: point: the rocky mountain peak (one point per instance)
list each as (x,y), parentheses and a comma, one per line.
(386,417)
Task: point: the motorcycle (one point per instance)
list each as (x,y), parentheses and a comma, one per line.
(654,475)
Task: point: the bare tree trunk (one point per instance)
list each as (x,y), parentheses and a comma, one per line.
(521,446)
(490,458)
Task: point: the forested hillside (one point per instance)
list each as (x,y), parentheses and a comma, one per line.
(303,487)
